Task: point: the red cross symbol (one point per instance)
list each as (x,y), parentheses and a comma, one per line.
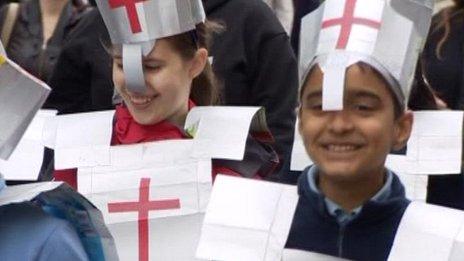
(347,21)
(131,12)
(143,206)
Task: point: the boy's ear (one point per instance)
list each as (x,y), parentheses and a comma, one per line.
(403,128)
(199,62)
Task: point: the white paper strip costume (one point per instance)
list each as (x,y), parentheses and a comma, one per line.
(247,220)
(21,95)
(209,126)
(83,139)
(341,33)
(135,25)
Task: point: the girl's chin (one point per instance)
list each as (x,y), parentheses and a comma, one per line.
(146,121)
(146,118)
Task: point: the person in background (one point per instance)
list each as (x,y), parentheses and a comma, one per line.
(38,31)
(81,81)
(302,8)
(4,2)
(284,10)
(442,65)
(255,62)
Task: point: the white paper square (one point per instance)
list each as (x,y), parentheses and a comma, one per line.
(247,220)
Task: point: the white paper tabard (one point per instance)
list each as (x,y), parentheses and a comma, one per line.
(427,232)
(153,206)
(247,220)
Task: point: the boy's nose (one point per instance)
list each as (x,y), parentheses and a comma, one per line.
(340,122)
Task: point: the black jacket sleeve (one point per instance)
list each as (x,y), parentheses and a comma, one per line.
(255,61)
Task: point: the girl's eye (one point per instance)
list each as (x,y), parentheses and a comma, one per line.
(152,67)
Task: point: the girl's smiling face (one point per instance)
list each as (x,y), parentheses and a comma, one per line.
(168,77)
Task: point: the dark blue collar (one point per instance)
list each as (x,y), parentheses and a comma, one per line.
(391,193)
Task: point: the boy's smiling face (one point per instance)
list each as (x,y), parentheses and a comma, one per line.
(352,143)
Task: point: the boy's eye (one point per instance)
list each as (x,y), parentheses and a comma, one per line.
(314,106)
(363,107)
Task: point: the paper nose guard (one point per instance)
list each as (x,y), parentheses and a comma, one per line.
(132,60)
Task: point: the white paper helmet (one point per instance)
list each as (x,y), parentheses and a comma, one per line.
(386,34)
(135,25)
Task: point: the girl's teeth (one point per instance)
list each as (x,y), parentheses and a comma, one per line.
(341,148)
(140,100)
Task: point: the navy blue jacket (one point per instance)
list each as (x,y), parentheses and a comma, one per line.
(368,237)
(28,233)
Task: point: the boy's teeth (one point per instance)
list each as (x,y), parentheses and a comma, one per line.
(341,148)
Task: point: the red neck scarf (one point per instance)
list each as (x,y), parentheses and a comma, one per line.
(128,131)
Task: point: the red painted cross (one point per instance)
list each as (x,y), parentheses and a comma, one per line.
(143,206)
(131,12)
(347,21)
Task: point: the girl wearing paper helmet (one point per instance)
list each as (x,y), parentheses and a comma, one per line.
(161,70)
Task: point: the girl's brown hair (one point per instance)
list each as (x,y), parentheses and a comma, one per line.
(446,16)
(422,96)
(205,88)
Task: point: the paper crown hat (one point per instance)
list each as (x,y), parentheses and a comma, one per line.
(137,24)
(386,34)
(21,96)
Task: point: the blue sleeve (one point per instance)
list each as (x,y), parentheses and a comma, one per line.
(63,244)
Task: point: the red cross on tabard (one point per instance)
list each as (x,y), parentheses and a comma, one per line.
(143,206)
(347,21)
(131,11)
